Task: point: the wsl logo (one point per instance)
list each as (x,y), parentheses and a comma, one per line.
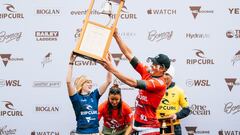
(10,83)
(197,83)
(201,59)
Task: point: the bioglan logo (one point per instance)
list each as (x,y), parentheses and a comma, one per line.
(46,35)
(234,11)
(45,133)
(232,109)
(47,108)
(48,11)
(10,110)
(10,83)
(233,33)
(6,58)
(47,59)
(6,38)
(161,11)
(11,12)
(197,83)
(228,132)
(153,35)
(196,10)
(199,110)
(6,131)
(197,35)
(231,82)
(202,60)
(236,58)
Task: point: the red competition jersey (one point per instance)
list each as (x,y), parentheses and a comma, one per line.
(114,121)
(148,100)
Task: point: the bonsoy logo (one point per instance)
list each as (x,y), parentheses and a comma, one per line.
(5,58)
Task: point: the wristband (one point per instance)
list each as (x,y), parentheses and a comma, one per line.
(70,63)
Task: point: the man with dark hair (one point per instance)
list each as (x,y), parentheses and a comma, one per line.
(151,87)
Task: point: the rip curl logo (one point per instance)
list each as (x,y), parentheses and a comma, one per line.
(199,53)
(5,58)
(9,105)
(10,7)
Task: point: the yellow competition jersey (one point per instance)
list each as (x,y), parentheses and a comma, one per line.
(173,100)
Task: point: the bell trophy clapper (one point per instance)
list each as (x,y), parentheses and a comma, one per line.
(95,38)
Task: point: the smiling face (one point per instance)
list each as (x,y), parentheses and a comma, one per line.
(157,70)
(87,86)
(114,99)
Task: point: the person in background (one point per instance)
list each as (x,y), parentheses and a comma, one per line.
(174,104)
(85,100)
(117,115)
(151,87)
